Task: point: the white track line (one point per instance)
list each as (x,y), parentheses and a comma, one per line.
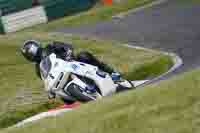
(42,116)
(137,83)
(124,14)
(177,62)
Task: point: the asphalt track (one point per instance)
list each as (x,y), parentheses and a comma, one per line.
(172,26)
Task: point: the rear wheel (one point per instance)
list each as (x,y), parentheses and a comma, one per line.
(77,93)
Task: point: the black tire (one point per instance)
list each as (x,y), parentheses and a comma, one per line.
(75,91)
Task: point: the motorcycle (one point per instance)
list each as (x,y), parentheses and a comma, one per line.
(73,80)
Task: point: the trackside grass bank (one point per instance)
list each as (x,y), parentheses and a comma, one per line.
(21,92)
(171,106)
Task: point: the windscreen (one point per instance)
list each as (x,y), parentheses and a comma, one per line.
(45,67)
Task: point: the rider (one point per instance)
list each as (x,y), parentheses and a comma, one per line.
(33,52)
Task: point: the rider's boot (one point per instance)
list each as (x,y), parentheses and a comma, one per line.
(125,85)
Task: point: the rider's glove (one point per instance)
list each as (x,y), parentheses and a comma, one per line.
(116,76)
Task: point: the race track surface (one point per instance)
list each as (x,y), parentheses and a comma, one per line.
(171,26)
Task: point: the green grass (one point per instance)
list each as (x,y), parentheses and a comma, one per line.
(171,106)
(96,14)
(166,107)
(22,93)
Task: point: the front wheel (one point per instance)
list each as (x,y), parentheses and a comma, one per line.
(78,94)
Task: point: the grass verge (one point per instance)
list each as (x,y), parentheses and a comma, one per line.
(165,107)
(22,92)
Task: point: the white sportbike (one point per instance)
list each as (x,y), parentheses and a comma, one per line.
(77,81)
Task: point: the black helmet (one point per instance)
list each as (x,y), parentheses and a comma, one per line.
(31,50)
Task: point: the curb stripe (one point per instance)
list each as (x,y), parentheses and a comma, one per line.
(124,14)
